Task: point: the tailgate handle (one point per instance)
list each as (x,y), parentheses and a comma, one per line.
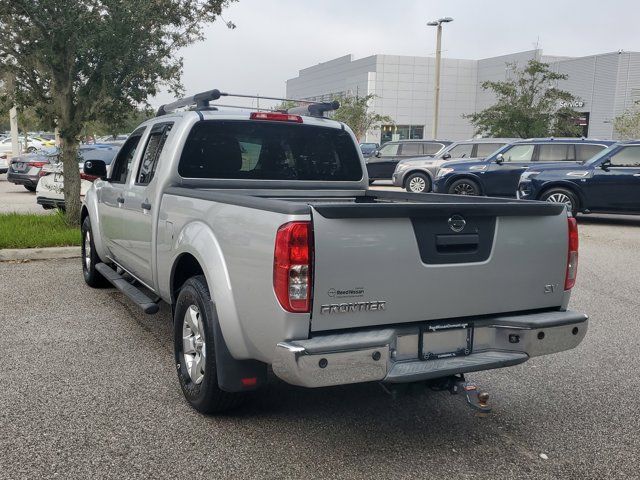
(467,243)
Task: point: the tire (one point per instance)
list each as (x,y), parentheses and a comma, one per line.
(90,258)
(193,320)
(418,183)
(464,186)
(562,195)
(30,188)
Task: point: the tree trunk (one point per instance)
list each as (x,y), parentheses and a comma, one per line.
(71,174)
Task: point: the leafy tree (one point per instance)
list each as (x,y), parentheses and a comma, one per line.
(355,112)
(114,126)
(286,105)
(77,61)
(528,104)
(627,125)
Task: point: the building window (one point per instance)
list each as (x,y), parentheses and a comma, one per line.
(401,132)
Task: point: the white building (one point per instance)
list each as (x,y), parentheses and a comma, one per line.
(606,85)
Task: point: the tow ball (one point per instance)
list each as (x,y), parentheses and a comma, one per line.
(478,400)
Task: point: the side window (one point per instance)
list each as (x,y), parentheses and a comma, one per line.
(461,151)
(627,157)
(486,149)
(152,151)
(389,150)
(519,153)
(585,152)
(122,162)
(411,149)
(552,152)
(432,148)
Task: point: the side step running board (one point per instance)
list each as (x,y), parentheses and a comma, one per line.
(134,294)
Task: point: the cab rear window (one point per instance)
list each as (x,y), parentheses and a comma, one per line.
(257,150)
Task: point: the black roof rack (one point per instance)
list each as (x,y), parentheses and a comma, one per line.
(202,101)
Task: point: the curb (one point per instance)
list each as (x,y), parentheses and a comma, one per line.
(20,254)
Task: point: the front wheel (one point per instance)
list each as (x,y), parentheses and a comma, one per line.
(418,183)
(564,196)
(30,188)
(90,258)
(194,350)
(464,186)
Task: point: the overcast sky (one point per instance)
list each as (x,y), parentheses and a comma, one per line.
(276,38)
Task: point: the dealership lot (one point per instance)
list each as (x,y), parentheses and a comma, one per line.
(89,389)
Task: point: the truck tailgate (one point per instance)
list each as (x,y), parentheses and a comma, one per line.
(381,264)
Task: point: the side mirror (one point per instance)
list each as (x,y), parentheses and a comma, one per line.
(499,159)
(446,155)
(605,164)
(377,154)
(97,168)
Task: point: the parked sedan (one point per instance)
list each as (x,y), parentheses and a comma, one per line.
(383,163)
(25,169)
(607,183)
(416,174)
(49,192)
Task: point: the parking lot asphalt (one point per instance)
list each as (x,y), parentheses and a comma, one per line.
(16,198)
(88,390)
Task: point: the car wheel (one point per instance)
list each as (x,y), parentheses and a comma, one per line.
(30,188)
(464,186)
(418,183)
(90,258)
(194,350)
(562,195)
(31,149)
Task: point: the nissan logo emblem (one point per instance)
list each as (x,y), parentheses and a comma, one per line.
(456,223)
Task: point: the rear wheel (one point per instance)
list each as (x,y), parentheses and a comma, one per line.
(564,196)
(194,350)
(30,188)
(418,183)
(90,258)
(464,186)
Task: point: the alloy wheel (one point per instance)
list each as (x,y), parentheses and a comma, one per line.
(559,197)
(464,189)
(193,344)
(417,184)
(87,249)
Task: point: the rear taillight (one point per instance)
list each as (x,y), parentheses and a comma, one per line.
(276,117)
(37,164)
(292,265)
(90,178)
(572,255)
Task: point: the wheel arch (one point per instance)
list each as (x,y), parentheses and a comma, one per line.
(466,176)
(565,185)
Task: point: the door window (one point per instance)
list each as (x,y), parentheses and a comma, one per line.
(123,160)
(486,149)
(432,148)
(461,151)
(411,149)
(627,157)
(389,150)
(157,138)
(519,153)
(550,152)
(585,152)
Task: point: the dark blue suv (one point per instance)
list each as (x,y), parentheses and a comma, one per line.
(607,183)
(498,175)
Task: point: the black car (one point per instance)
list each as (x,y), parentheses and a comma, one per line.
(383,163)
(498,174)
(368,149)
(607,183)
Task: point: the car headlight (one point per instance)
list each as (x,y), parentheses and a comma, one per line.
(528,174)
(443,171)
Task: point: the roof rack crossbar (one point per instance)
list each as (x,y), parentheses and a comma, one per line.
(202,100)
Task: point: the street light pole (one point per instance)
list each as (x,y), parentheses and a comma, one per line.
(436,93)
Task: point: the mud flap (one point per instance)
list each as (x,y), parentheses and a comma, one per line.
(235,375)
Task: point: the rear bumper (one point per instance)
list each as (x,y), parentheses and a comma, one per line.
(391,354)
(50,202)
(22,179)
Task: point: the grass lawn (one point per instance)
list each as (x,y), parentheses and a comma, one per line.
(23,230)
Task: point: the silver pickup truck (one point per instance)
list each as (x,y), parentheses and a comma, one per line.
(259,229)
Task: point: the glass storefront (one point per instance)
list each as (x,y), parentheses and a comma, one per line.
(401,132)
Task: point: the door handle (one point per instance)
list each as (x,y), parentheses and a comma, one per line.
(120,199)
(146,206)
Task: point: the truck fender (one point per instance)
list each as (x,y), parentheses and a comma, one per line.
(199,241)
